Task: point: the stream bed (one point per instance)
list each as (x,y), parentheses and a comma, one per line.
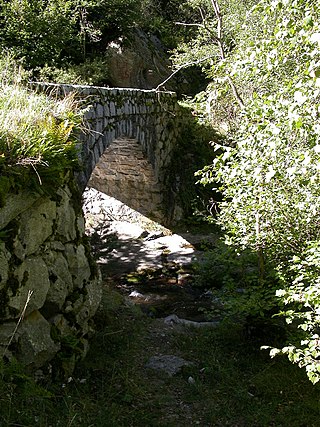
(151,266)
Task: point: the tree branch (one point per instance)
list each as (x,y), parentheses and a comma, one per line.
(188,64)
(217,12)
(189,25)
(218,40)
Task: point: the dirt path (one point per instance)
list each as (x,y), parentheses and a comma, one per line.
(157,372)
(147,264)
(172,392)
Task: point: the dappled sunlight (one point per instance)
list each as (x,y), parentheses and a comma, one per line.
(147,263)
(129,241)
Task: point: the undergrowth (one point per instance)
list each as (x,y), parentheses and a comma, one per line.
(233,382)
(238,385)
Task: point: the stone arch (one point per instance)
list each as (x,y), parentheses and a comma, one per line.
(152,118)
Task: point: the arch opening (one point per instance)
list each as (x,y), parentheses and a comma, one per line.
(125,173)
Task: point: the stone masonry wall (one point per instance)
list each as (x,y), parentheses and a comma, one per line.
(43,250)
(124,172)
(151,118)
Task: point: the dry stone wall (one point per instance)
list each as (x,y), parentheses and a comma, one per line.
(44,251)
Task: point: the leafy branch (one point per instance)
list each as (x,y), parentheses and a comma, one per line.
(218,39)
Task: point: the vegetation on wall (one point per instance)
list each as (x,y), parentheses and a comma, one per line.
(191,153)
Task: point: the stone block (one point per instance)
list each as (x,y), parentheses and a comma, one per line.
(127,108)
(105,125)
(56,245)
(90,303)
(31,275)
(81,228)
(99,127)
(66,217)
(114,92)
(106,110)
(96,155)
(99,111)
(112,108)
(78,264)
(101,148)
(61,283)
(36,344)
(36,226)
(90,114)
(15,204)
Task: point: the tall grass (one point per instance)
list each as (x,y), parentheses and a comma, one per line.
(35,129)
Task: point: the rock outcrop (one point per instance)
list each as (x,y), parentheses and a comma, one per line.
(143,63)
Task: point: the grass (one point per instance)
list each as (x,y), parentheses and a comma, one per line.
(234,383)
(242,386)
(35,129)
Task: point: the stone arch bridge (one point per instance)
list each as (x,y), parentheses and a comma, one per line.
(127,148)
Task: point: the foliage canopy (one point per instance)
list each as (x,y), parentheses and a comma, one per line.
(269,175)
(59,32)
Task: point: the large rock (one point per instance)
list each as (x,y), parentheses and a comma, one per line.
(143,64)
(31,275)
(66,217)
(89,304)
(78,264)
(60,282)
(36,226)
(47,279)
(14,205)
(36,345)
(168,363)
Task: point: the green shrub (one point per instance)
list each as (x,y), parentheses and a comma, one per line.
(270,176)
(90,72)
(300,292)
